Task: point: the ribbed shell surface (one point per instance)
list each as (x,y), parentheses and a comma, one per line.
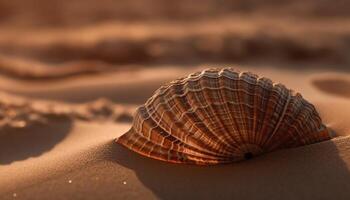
(221,116)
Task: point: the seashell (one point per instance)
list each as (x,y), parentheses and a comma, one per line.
(222,116)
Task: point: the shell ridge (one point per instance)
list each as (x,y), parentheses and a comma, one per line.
(289,127)
(199,149)
(233,110)
(184,80)
(304,114)
(254,110)
(232,102)
(195,109)
(189,91)
(264,113)
(241,113)
(151,128)
(167,137)
(204,128)
(279,103)
(219,116)
(258,102)
(224,98)
(191,150)
(205,151)
(222,131)
(249,85)
(311,122)
(274,113)
(194,124)
(317,121)
(207,115)
(280,120)
(301,116)
(169,156)
(180,118)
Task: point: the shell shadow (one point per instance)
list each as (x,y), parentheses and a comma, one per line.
(21,143)
(309,172)
(333,86)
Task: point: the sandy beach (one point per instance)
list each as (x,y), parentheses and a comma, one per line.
(70,84)
(72,158)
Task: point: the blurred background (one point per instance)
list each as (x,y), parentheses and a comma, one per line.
(39,37)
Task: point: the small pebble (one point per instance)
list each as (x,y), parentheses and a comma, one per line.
(15,195)
(70,181)
(124,182)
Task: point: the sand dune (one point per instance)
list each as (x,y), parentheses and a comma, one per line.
(336,85)
(226,39)
(80,159)
(118,173)
(64,155)
(124,86)
(41,138)
(81,12)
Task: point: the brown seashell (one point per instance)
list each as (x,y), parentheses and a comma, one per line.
(222,116)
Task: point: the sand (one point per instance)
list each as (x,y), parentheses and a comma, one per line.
(70,158)
(72,74)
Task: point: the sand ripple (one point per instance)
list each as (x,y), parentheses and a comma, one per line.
(335,86)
